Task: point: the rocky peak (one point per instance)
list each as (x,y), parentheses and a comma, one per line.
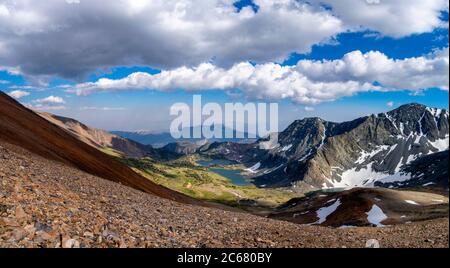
(418,119)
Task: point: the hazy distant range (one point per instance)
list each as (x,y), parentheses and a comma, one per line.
(161,139)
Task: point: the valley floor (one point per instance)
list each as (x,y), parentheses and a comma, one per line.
(47,204)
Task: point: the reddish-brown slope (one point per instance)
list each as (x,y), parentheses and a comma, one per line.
(23,127)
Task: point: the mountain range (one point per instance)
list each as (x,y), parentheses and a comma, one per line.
(313,153)
(158,140)
(63,187)
(386,149)
(389,149)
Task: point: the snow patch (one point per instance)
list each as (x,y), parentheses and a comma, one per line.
(402,129)
(324,212)
(305,156)
(436,114)
(254,168)
(391,120)
(440,144)
(412,202)
(366,176)
(420,124)
(324,136)
(367,155)
(286,148)
(376,216)
(273,169)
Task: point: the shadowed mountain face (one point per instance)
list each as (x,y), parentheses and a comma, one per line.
(313,153)
(426,171)
(23,127)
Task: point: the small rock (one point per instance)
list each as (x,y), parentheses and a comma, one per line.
(19,234)
(43,227)
(123,244)
(111,236)
(3,208)
(30,229)
(52,235)
(372,243)
(68,242)
(88,235)
(20,213)
(8,222)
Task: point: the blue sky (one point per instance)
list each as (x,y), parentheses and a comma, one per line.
(148,109)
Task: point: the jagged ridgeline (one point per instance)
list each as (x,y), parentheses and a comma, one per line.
(313,153)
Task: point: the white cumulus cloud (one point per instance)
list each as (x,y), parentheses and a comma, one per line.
(95,108)
(308,82)
(396,18)
(50,100)
(17,94)
(98,34)
(43,107)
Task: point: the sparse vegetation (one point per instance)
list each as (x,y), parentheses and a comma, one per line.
(185,176)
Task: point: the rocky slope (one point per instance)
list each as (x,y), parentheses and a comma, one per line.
(364,207)
(45,203)
(23,127)
(100,138)
(313,153)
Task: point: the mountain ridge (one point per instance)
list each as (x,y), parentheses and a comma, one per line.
(99,138)
(161,139)
(23,127)
(313,153)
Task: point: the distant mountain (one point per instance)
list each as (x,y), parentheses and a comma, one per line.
(184,147)
(102,139)
(158,140)
(99,138)
(148,138)
(313,153)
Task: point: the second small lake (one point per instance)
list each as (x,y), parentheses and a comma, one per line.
(233,175)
